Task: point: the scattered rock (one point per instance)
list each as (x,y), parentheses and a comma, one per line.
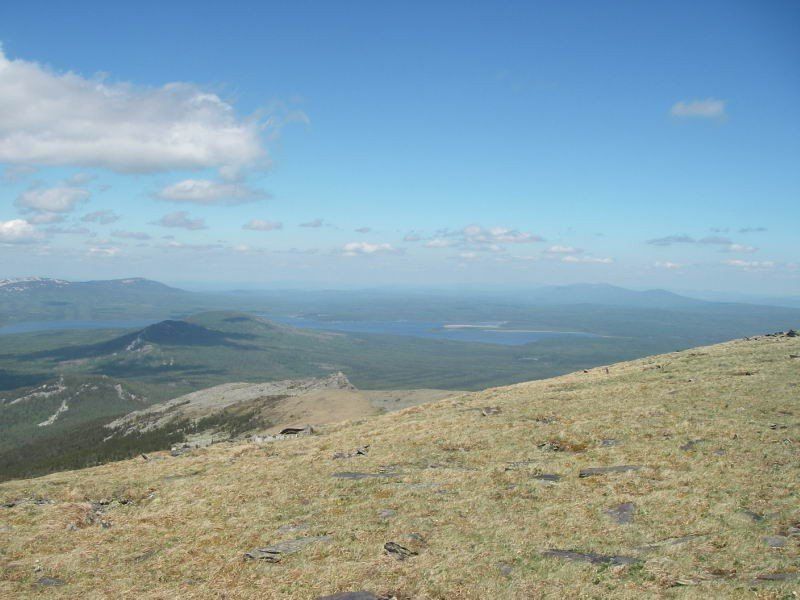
(386,513)
(757,517)
(546,420)
(505,569)
(277,551)
(791,333)
(489,411)
(607,443)
(549,477)
(562,446)
(778,576)
(673,541)
(286,433)
(604,470)
(591,557)
(691,444)
(397,551)
(350,596)
(292,527)
(360,451)
(50,581)
(520,464)
(356,475)
(307,430)
(776,541)
(622,513)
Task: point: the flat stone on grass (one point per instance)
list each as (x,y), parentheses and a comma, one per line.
(591,557)
(350,596)
(776,541)
(548,477)
(397,551)
(277,551)
(356,475)
(50,582)
(622,513)
(591,471)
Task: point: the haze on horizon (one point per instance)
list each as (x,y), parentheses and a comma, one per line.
(633,144)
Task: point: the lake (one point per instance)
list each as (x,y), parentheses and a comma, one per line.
(486,333)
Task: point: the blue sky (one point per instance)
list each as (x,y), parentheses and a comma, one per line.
(637,143)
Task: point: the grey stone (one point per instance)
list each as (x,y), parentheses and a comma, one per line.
(350,596)
(489,411)
(691,444)
(753,515)
(549,477)
(776,541)
(50,581)
(505,569)
(397,551)
(277,551)
(360,451)
(778,576)
(386,513)
(307,430)
(604,470)
(291,527)
(356,475)
(673,541)
(609,442)
(622,513)
(591,557)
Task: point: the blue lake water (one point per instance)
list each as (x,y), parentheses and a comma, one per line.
(487,333)
(32,326)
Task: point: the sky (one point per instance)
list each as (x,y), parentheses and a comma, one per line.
(319,144)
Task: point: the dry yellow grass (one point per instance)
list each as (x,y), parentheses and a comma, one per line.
(467,484)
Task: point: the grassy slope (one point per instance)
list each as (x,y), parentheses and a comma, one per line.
(192,518)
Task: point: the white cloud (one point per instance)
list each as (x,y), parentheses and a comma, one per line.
(18,231)
(412,236)
(46,218)
(59,199)
(709,108)
(477,235)
(80,178)
(365,249)
(587,260)
(741,248)
(563,250)
(71,231)
(104,217)
(63,119)
(751,265)
(206,191)
(130,235)
(15,173)
(182,220)
(363,230)
(313,223)
(104,252)
(261,225)
(671,266)
(438,243)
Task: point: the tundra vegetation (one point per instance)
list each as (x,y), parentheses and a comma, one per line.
(670,476)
